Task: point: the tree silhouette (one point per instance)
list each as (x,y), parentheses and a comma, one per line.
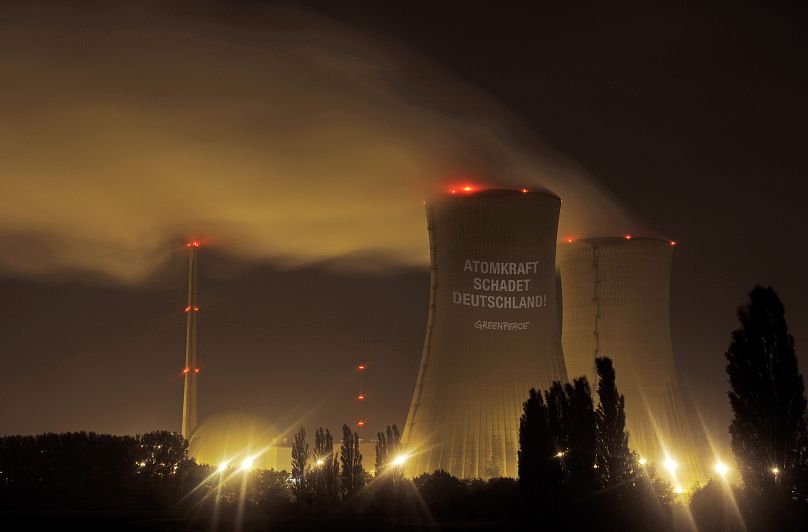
(613,457)
(539,469)
(767,396)
(388,446)
(571,422)
(326,467)
(300,458)
(352,475)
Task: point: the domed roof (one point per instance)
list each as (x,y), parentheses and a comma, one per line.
(230,437)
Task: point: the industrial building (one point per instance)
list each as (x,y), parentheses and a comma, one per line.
(492,330)
(616,301)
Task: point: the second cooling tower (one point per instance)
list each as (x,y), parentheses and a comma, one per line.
(492,333)
(616,295)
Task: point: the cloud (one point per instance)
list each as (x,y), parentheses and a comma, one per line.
(279,136)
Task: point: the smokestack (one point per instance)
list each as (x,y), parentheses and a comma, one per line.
(492,332)
(191,369)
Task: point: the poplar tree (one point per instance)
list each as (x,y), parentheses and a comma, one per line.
(300,458)
(326,466)
(388,446)
(352,475)
(767,396)
(539,469)
(613,457)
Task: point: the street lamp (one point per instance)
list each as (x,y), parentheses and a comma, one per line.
(721,469)
(247,463)
(670,464)
(222,467)
(399,460)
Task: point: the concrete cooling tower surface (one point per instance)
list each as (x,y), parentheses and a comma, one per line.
(616,301)
(492,332)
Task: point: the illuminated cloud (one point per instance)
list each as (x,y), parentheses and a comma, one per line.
(279,136)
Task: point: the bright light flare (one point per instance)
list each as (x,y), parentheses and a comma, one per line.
(222,467)
(560,454)
(678,490)
(643,460)
(775,471)
(670,464)
(399,460)
(247,463)
(721,468)
(319,462)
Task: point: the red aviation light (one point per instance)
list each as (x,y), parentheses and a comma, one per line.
(193,244)
(195,307)
(673,242)
(570,240)
(524,190)
(196,370)
(360,423)
(628,237)
(466,189)
(361,397)
(186,371)
(361,367)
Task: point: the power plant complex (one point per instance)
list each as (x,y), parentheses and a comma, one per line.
(492,331)
(495,330)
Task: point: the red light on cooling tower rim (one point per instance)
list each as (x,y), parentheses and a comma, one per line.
(361,397)
(524,190)
(673,242)
(361,367)
(193,244)
(628,237)
(466,189)
(360,423)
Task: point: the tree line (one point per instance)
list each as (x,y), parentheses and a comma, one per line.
(576,468)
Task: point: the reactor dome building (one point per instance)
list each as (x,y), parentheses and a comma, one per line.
(492,332)
(616,301)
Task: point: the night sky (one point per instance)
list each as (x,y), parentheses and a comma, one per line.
(296,140)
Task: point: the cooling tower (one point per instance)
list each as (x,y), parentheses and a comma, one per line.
(492,332)
(616,300)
